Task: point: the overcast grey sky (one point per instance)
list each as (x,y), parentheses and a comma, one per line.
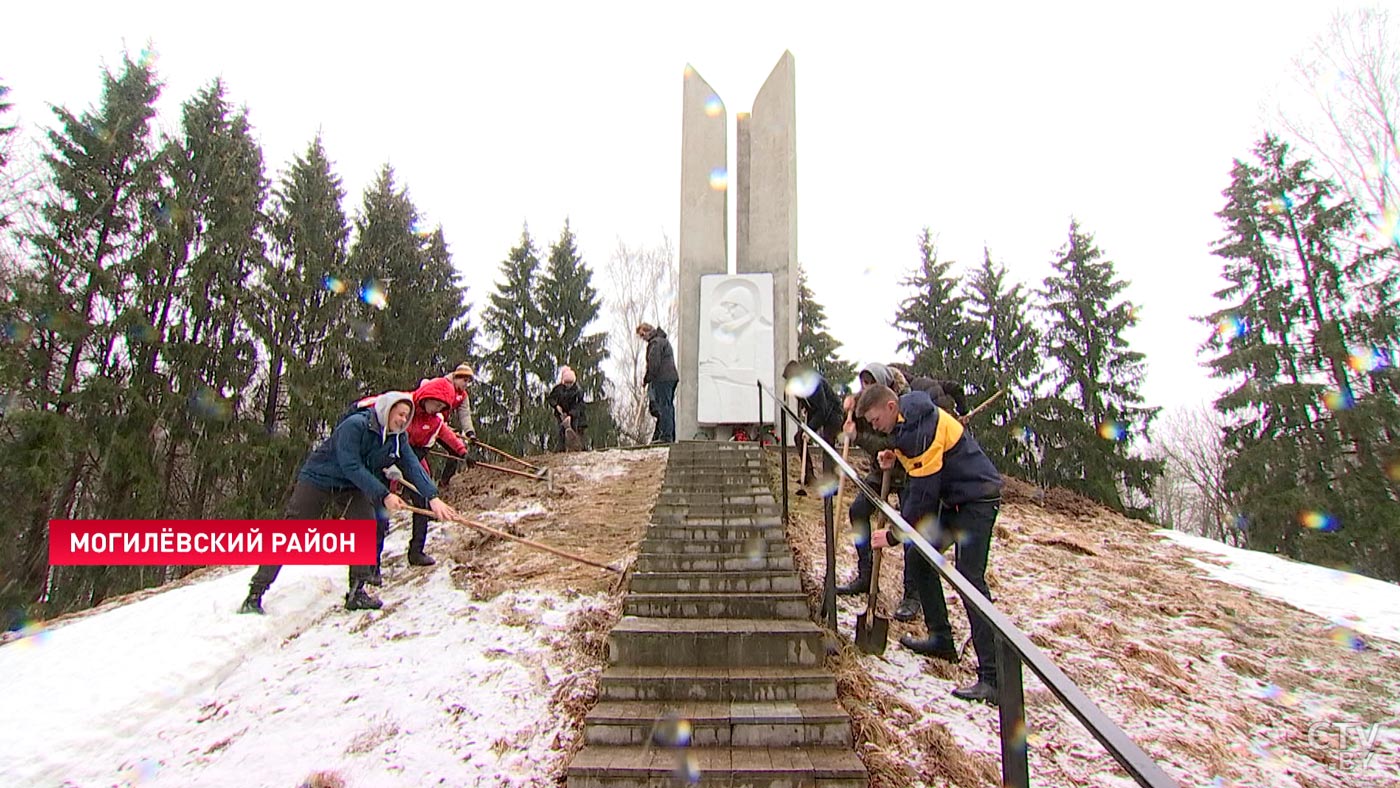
(991,123)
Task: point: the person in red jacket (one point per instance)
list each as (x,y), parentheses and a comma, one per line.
(461,379)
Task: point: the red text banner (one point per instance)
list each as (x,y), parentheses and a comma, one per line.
(210,542)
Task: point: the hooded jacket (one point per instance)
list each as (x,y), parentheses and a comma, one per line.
(360,448)
(661,359)
(426,429)
(942,459)
(570,400)
(871,440)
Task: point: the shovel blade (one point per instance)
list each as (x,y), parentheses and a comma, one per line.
(872,633)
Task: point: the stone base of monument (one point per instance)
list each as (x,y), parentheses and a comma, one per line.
(715,675)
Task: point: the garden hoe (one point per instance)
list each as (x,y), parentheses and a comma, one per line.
(872,631)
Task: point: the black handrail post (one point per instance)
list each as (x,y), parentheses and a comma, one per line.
(829,586)
(786,520)
(1011,702)
(759,427)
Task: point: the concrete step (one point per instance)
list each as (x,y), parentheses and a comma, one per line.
(689,562)
(750,519)
(599,766)
(668,498)
(771,542)
(736,533)
(744,685)
(818,723)
(714,642)
(725,509)
(751,582)
(671,605)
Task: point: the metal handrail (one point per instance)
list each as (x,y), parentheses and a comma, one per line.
(1012,646)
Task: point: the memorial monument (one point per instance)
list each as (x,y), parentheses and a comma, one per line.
(736,327)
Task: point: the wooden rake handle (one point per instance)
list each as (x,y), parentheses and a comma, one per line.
(989,400)
(508,456)
(538,475)
(519,539)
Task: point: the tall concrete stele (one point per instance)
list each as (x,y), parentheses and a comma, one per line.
(765,188)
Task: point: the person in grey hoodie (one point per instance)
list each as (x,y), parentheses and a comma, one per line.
(346,474)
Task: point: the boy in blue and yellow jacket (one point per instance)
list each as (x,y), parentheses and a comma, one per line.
(953,486)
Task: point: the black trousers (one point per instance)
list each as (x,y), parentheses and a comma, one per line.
(969,526)
(309,502)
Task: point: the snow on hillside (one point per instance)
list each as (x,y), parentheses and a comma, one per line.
(1368,606)
(1218,675)
(452,683)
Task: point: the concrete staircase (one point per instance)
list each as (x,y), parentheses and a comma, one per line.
(716,674)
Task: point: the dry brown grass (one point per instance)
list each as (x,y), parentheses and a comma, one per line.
(1178,660)
(323,779)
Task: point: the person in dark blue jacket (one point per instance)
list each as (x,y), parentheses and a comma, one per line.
(955,487)
(825,416)
(345,474)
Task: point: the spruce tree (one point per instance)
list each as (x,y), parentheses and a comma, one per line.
(933,319)
(305,328)
(1312,397)
(409,296)
(1093,414)
(568,306)
(815,346)
(1008,359)
(512,399)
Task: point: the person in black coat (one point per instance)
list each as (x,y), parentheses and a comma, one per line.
(570,410)
(825,414)
(660,379)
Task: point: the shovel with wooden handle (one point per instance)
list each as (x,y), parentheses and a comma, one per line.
(873,631)
(539,475)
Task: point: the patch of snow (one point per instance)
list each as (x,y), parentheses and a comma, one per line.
(1369,606)
(178,689)
(596,466)
(533,510)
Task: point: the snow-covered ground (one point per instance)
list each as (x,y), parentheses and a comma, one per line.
(178,690)
(1368,606)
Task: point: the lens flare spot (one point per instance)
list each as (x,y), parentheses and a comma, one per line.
(827,485)
(803,382)
(714,107)
(143,771)
(372,293)
(141,333)
(1279,695)
(672,731)
(1318,520)
(205,403)
(1392,469)
(16,332)
(1337,401)
(33,634)
(1386,226)
(719,179)
(756,549)
(689,768)
(1229,328)
(147,58)
(1347,638)
(1113,431)
(335,285)
(364,330)
(1240,523)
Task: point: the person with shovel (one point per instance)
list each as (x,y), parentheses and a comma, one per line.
(346,474)
(823,410)
(862,508)
(660,379)
(954,491)
(570,410)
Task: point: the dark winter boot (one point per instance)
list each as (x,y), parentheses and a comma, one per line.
(253,604)
(416,556)
(909,607)
(981,691)
(938,647)
(359,599)
(861,583)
